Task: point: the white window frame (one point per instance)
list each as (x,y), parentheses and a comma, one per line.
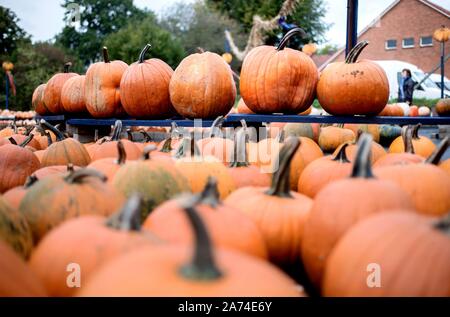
(390,48)
(426,45)
(408,46)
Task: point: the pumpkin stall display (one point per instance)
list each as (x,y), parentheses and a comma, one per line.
(16,278)
(278,212)
(64,151)
(72,95)
(55,199)
(228,227)
(37,100)
(412,252)
(144,88)
(353,87)
(332,137)
(343,203)
(423,146)
(102,87)
(53,89)
(200,269)
(202,87)
(278,79)
(16,164)
(443,107)
(90,241)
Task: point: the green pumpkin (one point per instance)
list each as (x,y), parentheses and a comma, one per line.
(388,133)
(299,130)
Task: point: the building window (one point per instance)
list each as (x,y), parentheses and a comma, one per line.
(408,43)
(426,41)
(391,44)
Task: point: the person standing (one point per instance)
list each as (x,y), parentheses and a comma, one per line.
(406,87)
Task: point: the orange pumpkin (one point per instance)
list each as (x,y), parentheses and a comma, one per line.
(353,87)
(242,108)
(305,155)
(37,100)
(343,203)
(264,154)
(102,239)
(52,91)
(413,111)
(445,166)
(392,110)
(15,195)
(31,143)
(216,144)
(47,171)
(278,212)
(423,146)
(443,107)
(101,88)
(144,88)
(412,252)
(332,137)
(278,80)
(109,166)
(72,95)
(191,271)
(202,86)
(377,151)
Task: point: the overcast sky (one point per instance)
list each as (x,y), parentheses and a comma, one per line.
(43,18)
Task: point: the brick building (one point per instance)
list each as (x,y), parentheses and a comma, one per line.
(404,31)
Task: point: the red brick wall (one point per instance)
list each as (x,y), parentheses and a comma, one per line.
(409,18)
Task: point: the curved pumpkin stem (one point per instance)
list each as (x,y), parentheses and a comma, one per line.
(47,126)
(31,180)
(443,224)
(202,265)
(210,194)
(187,148)
(407,140)
(117,130)
(280,181)
(288,36)
(147,150)
(128,218)
(216,126)
(122,157)
(70,168)
(362,165)
(240,158)
(341,155)
(200,50)
(436,157)
(167,146)
(415,131)
(105,55)
(77,177)
(280,136)
(67,67)
(44,133)
(355,52)
(143,52)
(12,140)
(24,143)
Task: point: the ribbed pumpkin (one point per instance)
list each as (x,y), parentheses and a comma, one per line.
(242,108)
(377,152)
(72,95)
(423,146)
(189,271)
(412,251)
(58,198)
(101,88)
(15,195)
(155,180)
(428,185)
(229,228)
(90,241)
(332,137)
(323,171)
(64,151)
(16,278)
(109,166)
(202,86)
(343,203)
(37,100)
(278,212)
(353,87)
(278,80)
(52,91)
(108,148)
(16,164)
(216,144)
(14,229)
(144,88)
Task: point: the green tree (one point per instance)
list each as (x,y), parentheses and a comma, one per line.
(308,14)
(127,43)
(98,19)
(328,49)
(10,32)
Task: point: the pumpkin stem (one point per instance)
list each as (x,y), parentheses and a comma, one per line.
(280,136)
(443,224)
(210,194)
(280,181)
(67,67)
(435,158)
(355,52)
(200,50)
(147,137)
(122,158)
(128,218)
(105,55)
(47,126)
(288,36)
(12,140)
(240,150)
(187,148)
(117,130)
(407,140)
(202,265)
(216,126)
(70,168)
(341,155)
(32,179)
(27,140)
(143,52)
(44,133)
(147,150)
(415,131)
(77,177)
(167,146)
(362,165)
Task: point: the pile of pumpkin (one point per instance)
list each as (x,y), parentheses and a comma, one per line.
(223,216)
